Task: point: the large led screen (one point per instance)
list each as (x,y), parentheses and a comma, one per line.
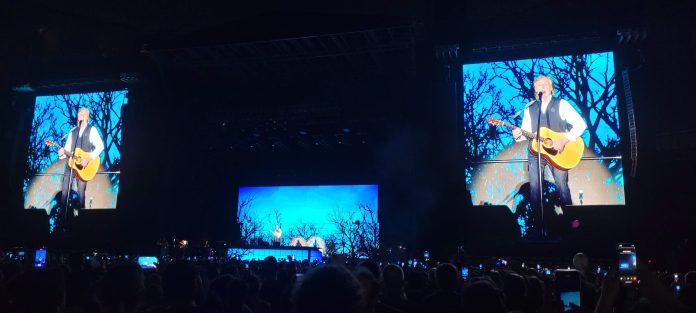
(335,218)
(98,143)
(497,171)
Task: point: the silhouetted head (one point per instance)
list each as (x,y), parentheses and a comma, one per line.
(581,262)
(482,296)
(124,286)
(38,291)
(515,289)
(329,289)
(226,294)
(371,266)
(370,286)
(446,276)
(393,278)
(690,279)
(269,268)
(180,282)
(535,293)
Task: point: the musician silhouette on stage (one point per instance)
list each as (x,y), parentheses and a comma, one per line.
(87,138)
(558,115)
(277,233)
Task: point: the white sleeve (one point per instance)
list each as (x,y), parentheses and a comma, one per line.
(572,117)
(96,140)
(526,125)
(68,145)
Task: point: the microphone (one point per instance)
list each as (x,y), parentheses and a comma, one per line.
(540,94)
(520,111)
(68,133)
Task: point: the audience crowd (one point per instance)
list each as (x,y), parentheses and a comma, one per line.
(270,286)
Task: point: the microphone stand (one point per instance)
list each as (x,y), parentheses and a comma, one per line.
(70,177)
(540,171)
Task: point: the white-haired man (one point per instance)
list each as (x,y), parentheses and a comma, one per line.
(86,138)
(556,114)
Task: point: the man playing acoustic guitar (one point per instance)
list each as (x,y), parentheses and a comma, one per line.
(556,114)
(86,138)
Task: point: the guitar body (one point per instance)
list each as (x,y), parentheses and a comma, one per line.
(565,160)
(84,173)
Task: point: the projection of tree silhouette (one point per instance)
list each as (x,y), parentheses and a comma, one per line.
(347,231)
(498,89)
(586,81)
(343,219)
(250,227)
(43,126)
(357,232)
(369,230)
(481,100)
(56,115)
(303,230)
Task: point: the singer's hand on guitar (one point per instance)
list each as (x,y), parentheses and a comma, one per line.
(559,144)
(516,132)
(61,153)
(84,161)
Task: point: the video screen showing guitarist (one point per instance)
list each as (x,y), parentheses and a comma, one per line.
(84,138)
(559,116)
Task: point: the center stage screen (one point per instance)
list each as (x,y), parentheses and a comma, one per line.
(54,118)
(335,219)
(497,173)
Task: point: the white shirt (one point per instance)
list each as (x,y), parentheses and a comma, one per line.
(567,113)
(94,139)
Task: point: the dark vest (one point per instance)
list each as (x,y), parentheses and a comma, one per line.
(551,119)
(83,142)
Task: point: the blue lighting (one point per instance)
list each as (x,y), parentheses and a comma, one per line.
(502,88)
(257,254)
(147,262)
(55,116)
(309,211)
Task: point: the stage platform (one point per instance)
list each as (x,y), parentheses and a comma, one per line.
(279,252)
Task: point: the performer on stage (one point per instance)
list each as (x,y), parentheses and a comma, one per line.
(87,138)
(277,233)
(557,115)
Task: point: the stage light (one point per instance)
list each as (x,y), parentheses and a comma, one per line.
(24,88)
(631,35)
(130,78)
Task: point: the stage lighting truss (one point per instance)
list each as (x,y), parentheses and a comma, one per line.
(388,47)
(631,35)
(456,53)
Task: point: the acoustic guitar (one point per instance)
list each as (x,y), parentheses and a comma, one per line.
(85,173)
(564,160)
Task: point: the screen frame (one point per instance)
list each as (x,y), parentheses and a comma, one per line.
(529,53)
(29,99)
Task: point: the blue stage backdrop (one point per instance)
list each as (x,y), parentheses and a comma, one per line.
(499,89)
(335,219)
(55,116)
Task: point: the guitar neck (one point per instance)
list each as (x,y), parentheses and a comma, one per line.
(67,153)
(525,133)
